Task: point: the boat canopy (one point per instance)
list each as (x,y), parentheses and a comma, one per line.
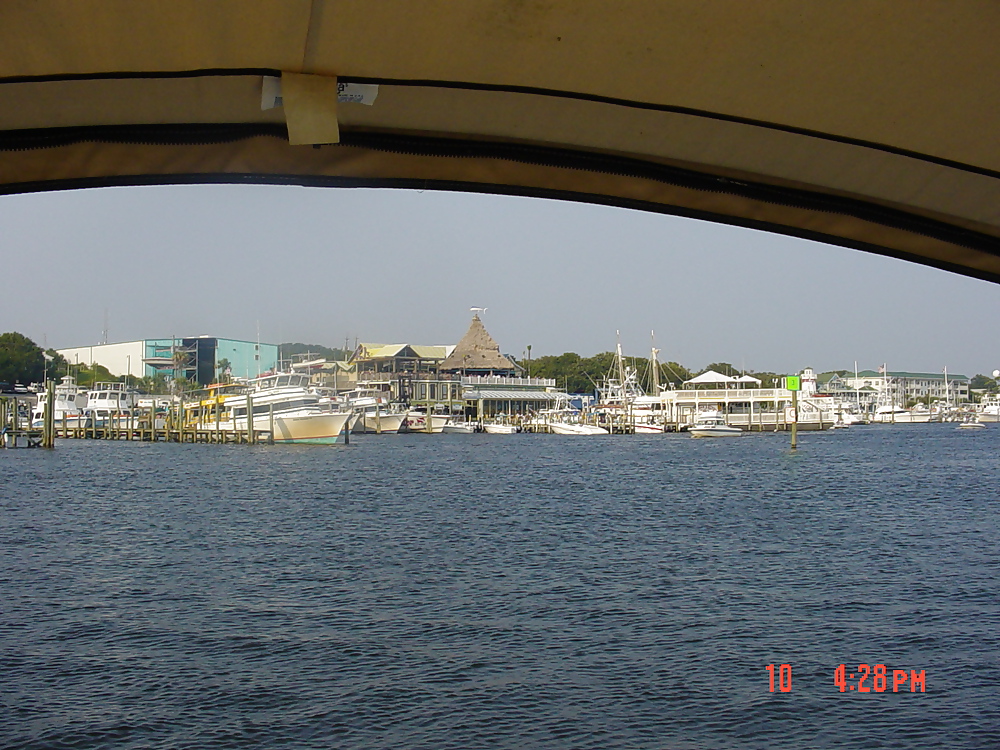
(872,127)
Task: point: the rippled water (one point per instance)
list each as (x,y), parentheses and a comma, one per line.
(524,591)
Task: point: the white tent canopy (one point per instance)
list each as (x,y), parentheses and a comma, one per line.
(747,379)
(710,377)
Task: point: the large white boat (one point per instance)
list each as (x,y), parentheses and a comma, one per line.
(712,424)
(565,422)
(108,404)
(989,408)
(295,409)
(416,421)
(70,402)
(375,411)
(889,414)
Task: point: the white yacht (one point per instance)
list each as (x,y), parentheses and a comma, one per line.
(376,412)
(711,424)
(989,408)
(890,414)
(566,422)
(297,411)
(416,420)
(70,401)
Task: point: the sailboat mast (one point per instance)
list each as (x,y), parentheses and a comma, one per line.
(654,366)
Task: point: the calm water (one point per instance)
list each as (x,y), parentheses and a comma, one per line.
(482,591)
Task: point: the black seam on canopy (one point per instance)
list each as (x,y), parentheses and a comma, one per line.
(600,163)
(535,91)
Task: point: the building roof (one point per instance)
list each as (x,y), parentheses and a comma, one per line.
(911,375)
(477,351)
(411,351)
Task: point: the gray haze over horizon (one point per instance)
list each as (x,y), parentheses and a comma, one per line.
(329,266)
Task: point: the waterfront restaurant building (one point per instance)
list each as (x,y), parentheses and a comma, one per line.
(377,359)
(491,382)
(195,358)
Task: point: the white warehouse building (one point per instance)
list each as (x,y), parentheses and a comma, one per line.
(196,358)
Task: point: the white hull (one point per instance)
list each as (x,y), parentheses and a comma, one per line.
(902,417)
(459,428)
(323,428)
(418,422)
(648,428)
(565,428)
(68,420)
(714,431)
(500,429)
(383,423)
(712,425)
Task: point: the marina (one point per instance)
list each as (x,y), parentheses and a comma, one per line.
(266,485)
(466,389)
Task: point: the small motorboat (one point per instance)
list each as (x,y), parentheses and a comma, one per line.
(711,424)
(499,428)
(972,425)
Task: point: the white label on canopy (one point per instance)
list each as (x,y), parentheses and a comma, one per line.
(351,93)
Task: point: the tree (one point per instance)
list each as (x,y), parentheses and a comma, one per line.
(21,359)
(983,383)
(290,349)
(673,372)
(767,379)
(95,373)
(153,384)
(723,368)
(223,367)
(58,366)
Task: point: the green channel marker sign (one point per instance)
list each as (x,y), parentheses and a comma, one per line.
(793,383)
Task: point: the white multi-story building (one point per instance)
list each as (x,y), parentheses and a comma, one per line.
(196,358)
(904,387)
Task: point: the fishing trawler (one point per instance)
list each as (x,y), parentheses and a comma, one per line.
(70,401)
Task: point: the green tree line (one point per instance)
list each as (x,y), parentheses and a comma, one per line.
(23,361)
(584,374)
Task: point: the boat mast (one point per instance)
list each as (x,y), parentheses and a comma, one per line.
(654,367)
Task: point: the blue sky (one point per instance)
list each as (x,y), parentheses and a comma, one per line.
(329,265)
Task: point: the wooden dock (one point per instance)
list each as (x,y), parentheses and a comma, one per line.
(163,434)
(140,425)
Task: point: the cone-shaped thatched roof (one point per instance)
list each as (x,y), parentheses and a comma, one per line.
(478,352)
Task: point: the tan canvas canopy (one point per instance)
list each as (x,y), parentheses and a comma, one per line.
(873,124)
